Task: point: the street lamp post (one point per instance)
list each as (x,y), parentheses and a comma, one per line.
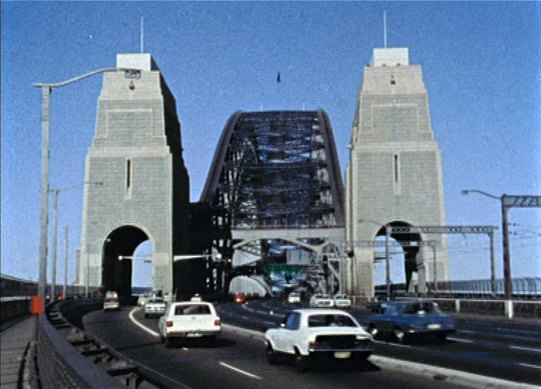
(387,261)
(55,193)
(64,288)
(508,287)
(46,89)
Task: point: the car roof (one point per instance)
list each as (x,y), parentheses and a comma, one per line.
(191,303)
(320,311)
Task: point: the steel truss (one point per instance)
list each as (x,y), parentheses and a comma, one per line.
(275,168)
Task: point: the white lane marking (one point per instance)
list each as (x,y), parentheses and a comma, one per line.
(459,339)
(240,371)
(528,365)
(466,331)
(535,350)
(141,325)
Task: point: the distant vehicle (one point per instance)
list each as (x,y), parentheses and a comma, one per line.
(196,297)
(155,307)
(142,300)
(408,319)
(342,301)
(189,320)
(240,298)
(308,334)
(111,302)
(321,301)
(294,298)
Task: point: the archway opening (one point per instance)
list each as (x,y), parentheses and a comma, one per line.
(117,259)
(403,262)
(142,268)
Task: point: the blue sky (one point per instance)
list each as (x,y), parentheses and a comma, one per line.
(480,62)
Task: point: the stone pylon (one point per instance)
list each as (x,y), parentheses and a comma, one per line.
(137,185)
(394,174)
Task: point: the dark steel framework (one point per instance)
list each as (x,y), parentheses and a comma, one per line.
(277,168)
(274,170)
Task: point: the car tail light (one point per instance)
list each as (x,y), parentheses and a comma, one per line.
(217,322)
(169,323)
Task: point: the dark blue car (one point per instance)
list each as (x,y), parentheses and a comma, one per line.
(408,319)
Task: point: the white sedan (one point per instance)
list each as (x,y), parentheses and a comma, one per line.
(189,320)
(342,301)
(309,334)
(155,307)
(321,301)
(294,298)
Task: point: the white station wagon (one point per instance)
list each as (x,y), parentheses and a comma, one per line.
(310,334)
(189,320)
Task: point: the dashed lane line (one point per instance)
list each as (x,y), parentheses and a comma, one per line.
(535,350)
(528,365)
(240,371)
(459,339)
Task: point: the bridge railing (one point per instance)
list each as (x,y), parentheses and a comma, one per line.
(510,309)
(59,365)
(64,356)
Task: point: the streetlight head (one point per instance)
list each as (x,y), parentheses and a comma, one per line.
(465,192)
(132,73)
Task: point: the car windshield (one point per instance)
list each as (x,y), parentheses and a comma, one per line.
(192,309)
(156,301)
(419,307)
(330,321)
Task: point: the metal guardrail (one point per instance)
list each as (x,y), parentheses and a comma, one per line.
(509,309)
(58,363)
(64,356)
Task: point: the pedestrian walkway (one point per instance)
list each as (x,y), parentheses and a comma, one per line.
(14,346)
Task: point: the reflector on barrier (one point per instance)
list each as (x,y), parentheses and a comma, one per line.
(36,305)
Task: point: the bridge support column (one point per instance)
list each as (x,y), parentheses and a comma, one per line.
(163,278)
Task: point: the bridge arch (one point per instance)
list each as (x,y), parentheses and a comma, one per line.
(410,246)
(120,244)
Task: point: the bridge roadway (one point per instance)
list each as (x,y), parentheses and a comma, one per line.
(498,351)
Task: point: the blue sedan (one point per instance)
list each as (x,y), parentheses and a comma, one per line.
(408,319)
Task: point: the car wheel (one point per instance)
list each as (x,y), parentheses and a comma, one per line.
(301,362)
(169,342)
(272,358)
(400,335)
(211,341)
(162,339)
(441,337)
(364,355)
(146,315)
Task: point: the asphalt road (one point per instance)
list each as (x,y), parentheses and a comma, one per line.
(503,349)
(237,361)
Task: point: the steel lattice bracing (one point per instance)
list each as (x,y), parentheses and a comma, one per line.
(277,170)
